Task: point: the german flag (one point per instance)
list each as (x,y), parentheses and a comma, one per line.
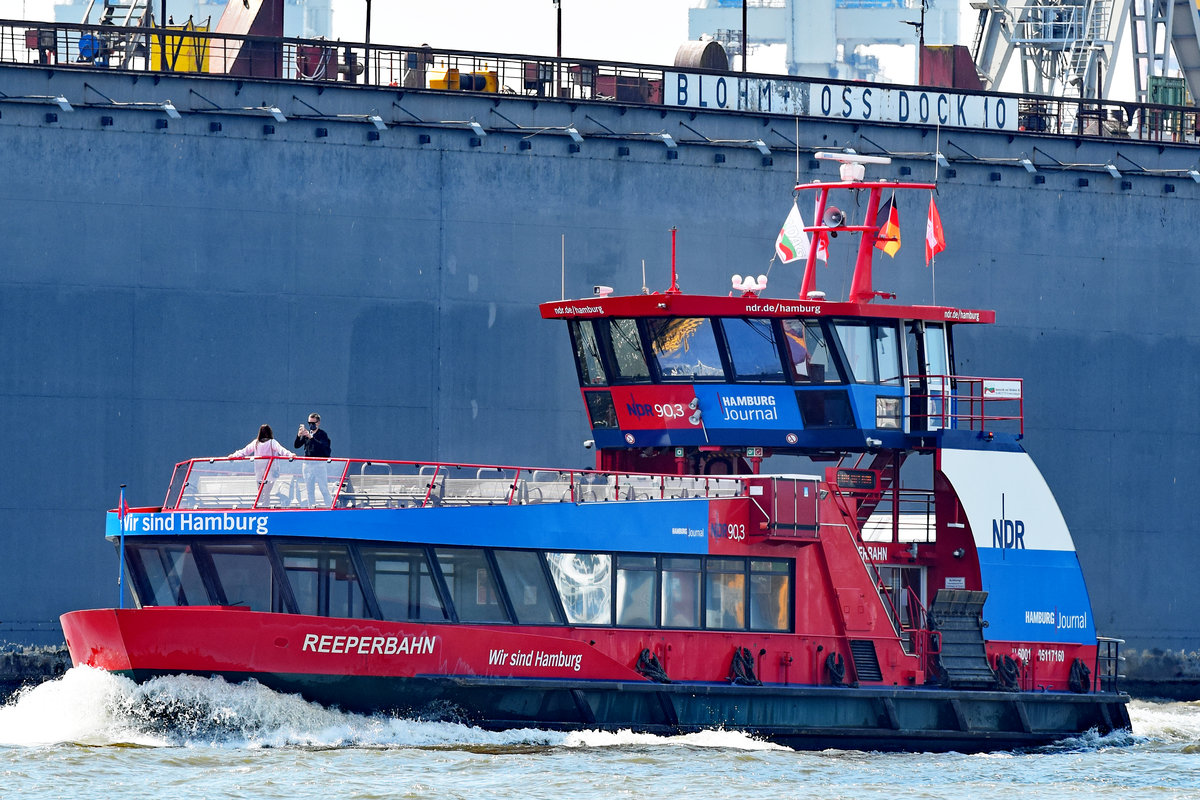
(888,238)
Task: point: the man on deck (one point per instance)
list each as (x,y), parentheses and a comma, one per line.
(316,444)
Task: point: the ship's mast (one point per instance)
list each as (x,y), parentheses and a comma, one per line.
(831,221)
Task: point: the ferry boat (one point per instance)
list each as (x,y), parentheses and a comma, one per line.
(905,582)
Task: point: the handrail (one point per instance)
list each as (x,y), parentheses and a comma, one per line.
(1107,669)
(963,401)
(412,67)
(288,482)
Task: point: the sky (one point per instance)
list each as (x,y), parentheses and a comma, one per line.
(643,31)
(637,31)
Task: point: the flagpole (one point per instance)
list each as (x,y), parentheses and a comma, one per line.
(797,143)
(121,567)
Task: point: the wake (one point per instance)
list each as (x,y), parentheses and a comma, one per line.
(91,707)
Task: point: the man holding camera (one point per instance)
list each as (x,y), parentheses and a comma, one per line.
(316,445)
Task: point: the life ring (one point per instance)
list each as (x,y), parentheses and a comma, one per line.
(835,665)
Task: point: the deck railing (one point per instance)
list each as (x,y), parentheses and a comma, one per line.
(961,402)
(223,483)
(137,49)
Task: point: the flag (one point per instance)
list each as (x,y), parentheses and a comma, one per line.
(792,244)
(935,239)
(822,238)
(122,509)
(888,238)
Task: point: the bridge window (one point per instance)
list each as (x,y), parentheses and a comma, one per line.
(323,580)
(587,353)
(403,583)
(872,351)
(753,351)
(629,361)
(809,358)
(472,586)
(528,589)
(686,349)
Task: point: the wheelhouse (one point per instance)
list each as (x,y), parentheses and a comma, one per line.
(740,374)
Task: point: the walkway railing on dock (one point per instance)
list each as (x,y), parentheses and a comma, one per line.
(222,483)
(321,61)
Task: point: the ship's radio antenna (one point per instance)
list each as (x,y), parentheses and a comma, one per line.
(645,290)
(562,289)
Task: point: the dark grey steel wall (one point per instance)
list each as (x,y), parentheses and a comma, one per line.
(165,291)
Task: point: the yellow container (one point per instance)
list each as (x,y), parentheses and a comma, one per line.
(185,53)
(443,78)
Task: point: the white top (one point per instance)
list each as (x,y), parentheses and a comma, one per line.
(257,449)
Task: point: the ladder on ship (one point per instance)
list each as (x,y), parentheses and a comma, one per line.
(128,20)
(887,465)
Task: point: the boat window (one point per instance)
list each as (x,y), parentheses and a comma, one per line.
(887,353)
(770,592)
(855,338)
(244,575)
(903,586)
(629,361)
(472,585)
(528,589)
(584,582)
(601,411)
(167,576)
(636,589)
(686,349)
(587,353)
(681,593)
(753,351)
(935,350)
(403,583)
(323,580)
(157,586)
(725,593)
(808,352)
(872,351)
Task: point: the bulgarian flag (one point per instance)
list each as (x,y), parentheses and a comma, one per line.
(792,244)
(888,238)
(935,239)
(822,239)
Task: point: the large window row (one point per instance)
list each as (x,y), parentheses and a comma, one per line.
(462,584)
(749,350)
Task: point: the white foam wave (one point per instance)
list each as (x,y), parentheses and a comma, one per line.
(93,707)
(1174,723)
(735,740)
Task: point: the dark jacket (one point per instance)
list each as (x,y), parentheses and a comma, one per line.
(316,446)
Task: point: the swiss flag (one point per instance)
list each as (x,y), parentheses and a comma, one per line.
(935,239)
